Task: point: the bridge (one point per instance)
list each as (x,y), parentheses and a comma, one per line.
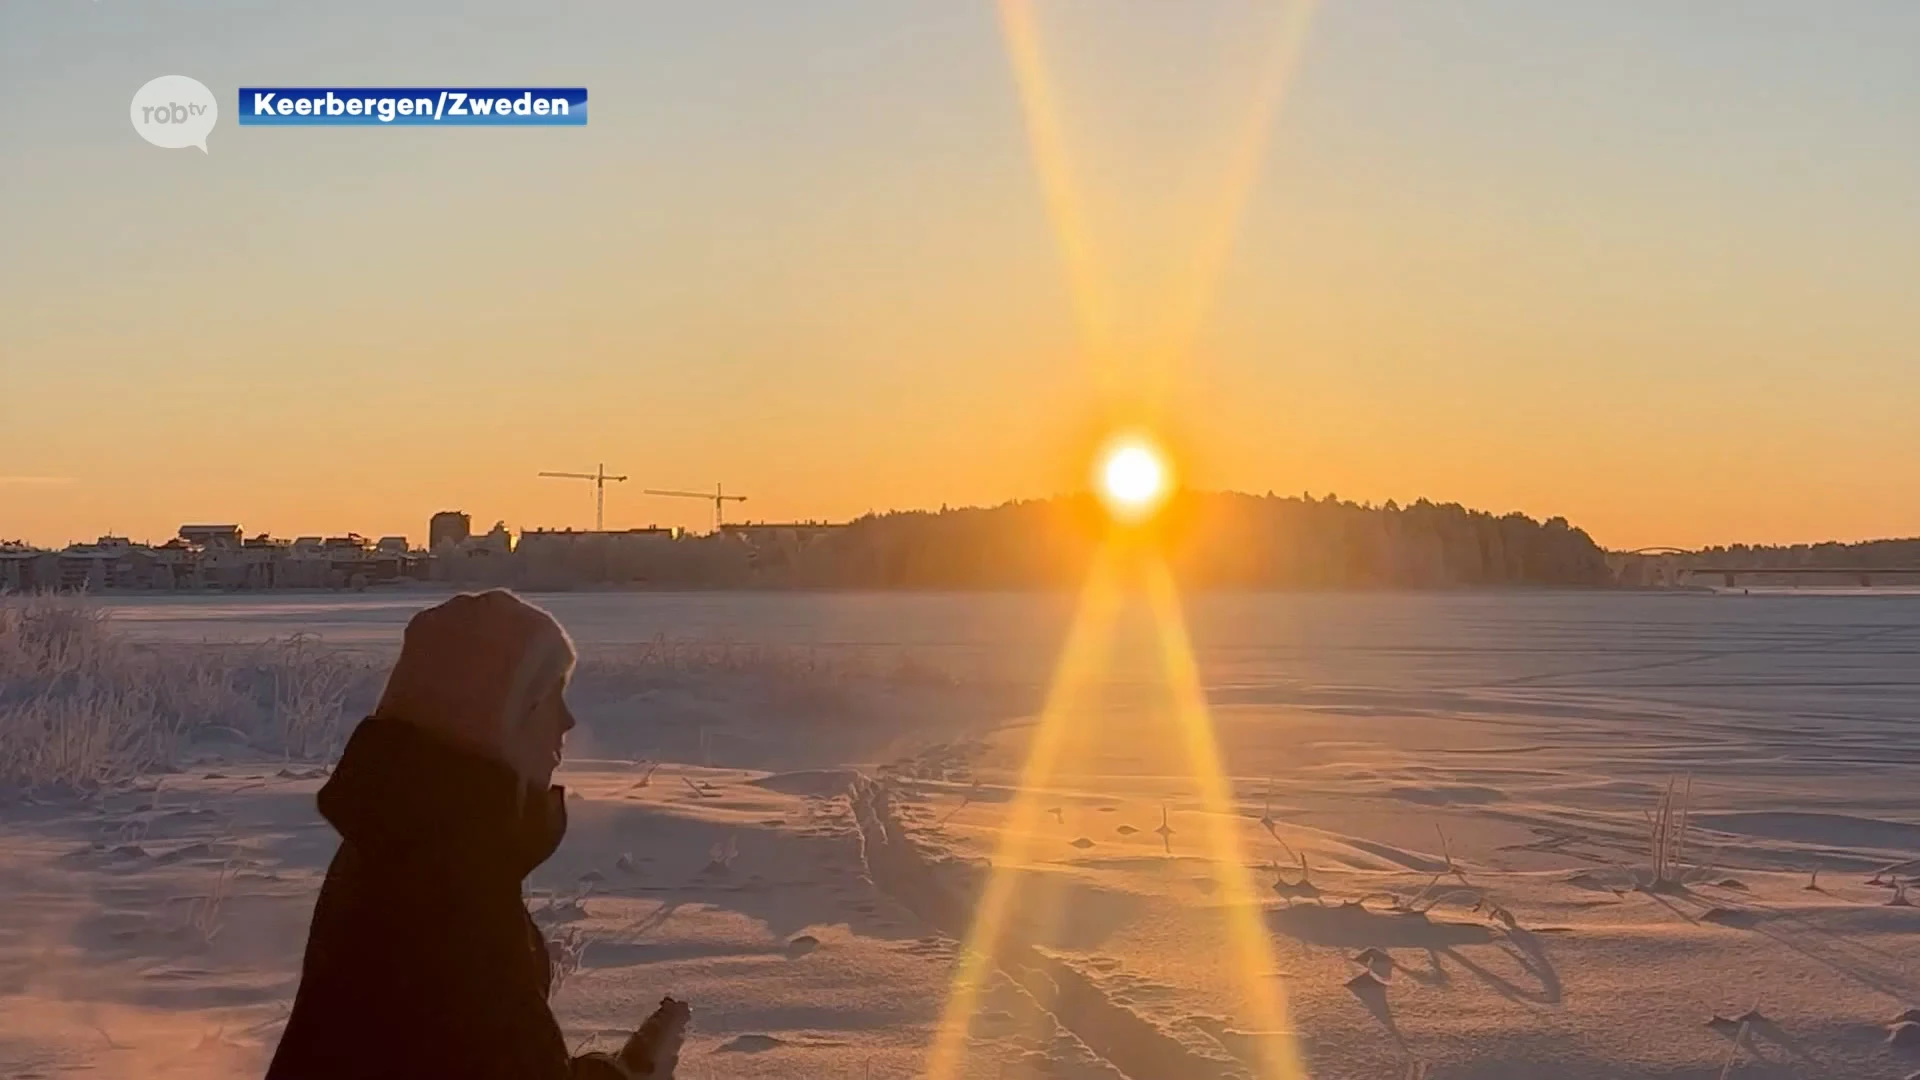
(1671,566)
(1661,565)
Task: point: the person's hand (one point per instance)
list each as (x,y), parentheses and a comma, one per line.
(473,668)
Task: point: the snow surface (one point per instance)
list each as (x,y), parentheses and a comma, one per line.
(800,862)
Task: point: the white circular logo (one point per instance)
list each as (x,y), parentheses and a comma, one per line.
(175,112)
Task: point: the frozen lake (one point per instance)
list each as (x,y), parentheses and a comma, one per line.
(1517,744)
(1845,657)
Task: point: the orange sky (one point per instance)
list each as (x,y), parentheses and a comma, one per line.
(1619,266)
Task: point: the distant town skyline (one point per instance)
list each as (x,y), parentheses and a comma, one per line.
(418,533)
(1642,265)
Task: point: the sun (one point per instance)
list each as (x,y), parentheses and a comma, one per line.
(1132,477)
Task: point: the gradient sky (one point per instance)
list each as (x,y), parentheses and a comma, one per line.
(1651,266)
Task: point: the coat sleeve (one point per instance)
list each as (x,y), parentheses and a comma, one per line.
(490,1019)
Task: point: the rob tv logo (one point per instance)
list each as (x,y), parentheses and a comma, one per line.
(175,112)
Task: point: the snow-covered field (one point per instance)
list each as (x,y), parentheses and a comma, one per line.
(786,805)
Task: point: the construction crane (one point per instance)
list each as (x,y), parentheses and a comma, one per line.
(718,495)
(600,480)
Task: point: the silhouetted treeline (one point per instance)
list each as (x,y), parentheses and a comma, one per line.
(1213,540)
(1866,554)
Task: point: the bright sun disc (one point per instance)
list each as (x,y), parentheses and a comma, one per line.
(1132,479)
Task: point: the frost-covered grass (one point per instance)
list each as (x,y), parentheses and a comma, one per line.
(1667,835)
(82,707)
(666,658)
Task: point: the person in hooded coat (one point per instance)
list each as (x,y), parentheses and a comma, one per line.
(422,960)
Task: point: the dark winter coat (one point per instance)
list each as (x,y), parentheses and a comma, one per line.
(422,961)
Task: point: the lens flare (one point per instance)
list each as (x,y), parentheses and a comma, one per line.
(996,941)
(1133,478)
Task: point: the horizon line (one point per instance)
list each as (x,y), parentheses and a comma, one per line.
(1305,496)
